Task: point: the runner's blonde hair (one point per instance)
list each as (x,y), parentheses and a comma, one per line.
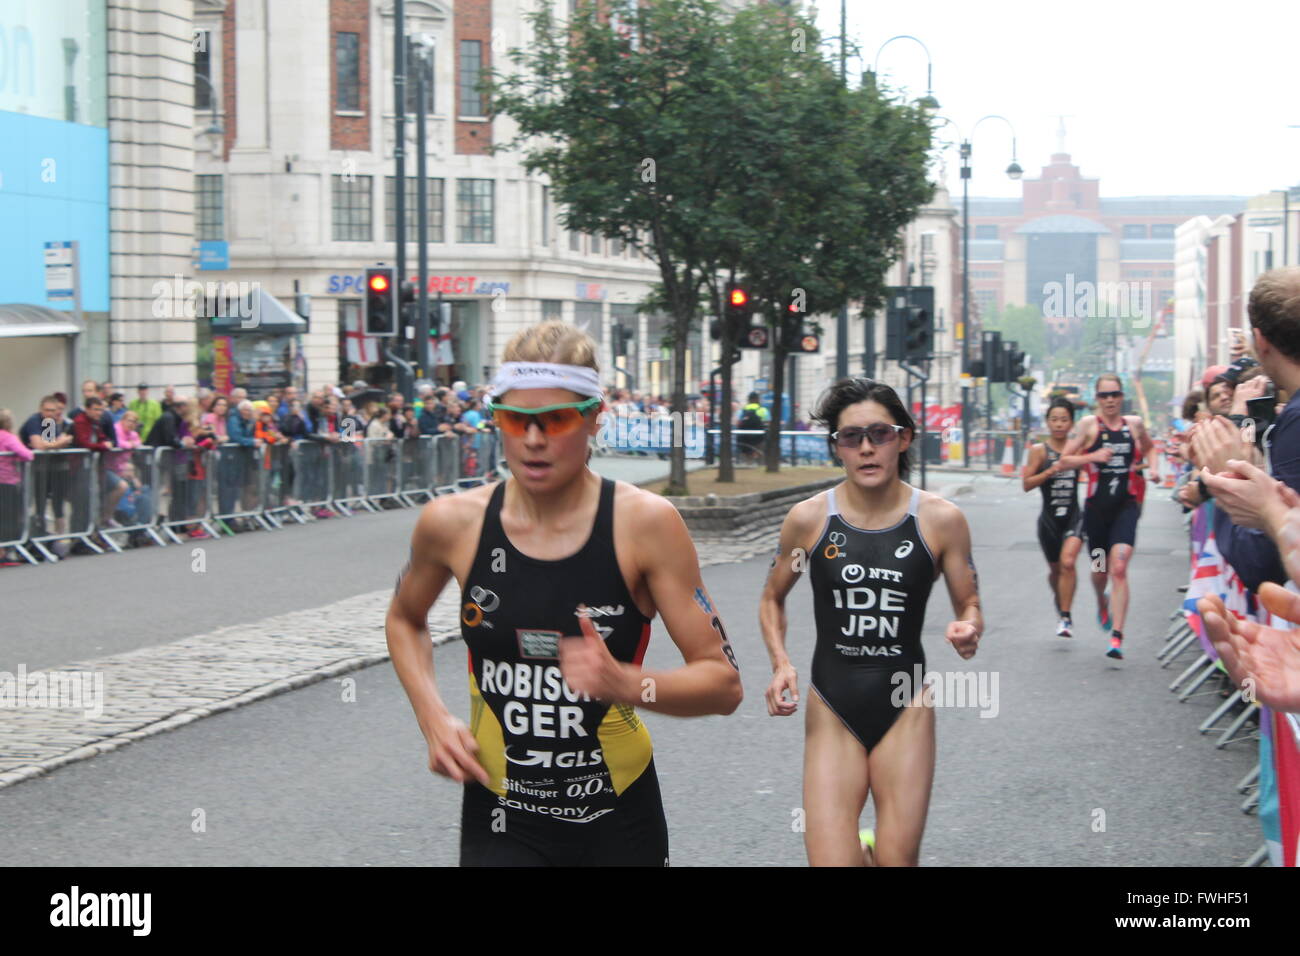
(552,341)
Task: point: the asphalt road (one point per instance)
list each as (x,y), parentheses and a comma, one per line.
(309,778)
(93,606)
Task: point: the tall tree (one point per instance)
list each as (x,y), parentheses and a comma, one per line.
(718,146)
(633,119)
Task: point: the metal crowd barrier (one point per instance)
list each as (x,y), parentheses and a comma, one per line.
(383,470)
(185,479)
(313,476)
(240,487)
(103,500)
(446,455)
(349,467)
(131,501)
(1179,639)
(477,458)
(15,505)
(61,481)
(279,504)
(415,471)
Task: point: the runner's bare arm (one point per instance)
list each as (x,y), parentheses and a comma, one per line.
(959,574)
(789,562)
(1030,476)
(421,580)
(1081,436)
(709,681)
(1146,447)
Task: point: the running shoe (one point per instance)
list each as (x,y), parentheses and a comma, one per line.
(1103,617)
(1063,628)
(1115,650)
(868,840)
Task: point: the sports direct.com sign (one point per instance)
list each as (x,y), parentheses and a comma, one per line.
(342,284)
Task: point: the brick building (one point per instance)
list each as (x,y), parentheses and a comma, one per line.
(1063,231)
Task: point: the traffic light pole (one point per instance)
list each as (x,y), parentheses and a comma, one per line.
(918,439)
(965,304)
(422,230)
(399,158)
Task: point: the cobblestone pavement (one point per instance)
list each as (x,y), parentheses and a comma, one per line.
(155,689)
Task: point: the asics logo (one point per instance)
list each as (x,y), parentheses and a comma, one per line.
(903,550)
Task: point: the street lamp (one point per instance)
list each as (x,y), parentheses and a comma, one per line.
(927,102)
(842,320)
(1013,172)
(214,130)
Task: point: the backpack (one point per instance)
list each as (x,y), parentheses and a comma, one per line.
(751,420)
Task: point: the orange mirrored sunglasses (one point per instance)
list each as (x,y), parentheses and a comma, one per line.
(552,419)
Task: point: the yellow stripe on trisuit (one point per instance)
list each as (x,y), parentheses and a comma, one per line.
(625,745)
(485,727)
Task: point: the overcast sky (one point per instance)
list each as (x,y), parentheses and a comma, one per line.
(1160,97)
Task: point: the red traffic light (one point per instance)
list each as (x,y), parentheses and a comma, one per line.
(378,282)
(739,296)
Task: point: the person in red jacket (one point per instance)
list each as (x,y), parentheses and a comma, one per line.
(92,429)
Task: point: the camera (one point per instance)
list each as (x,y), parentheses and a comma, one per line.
(1234,370)
(1264,411)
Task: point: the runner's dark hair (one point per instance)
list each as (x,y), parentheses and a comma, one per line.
(851,391)
(1060,402)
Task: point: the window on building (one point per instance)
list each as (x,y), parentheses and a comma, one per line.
(474,212)
(202,69)
(616,247)
(209,208)
(411,200)
(420,63)
(552,309)
(986,300)
(352,208)
(1162,230)
(986,232)
(347,71)
(1135,232)
(471,71)
(575,241)
(594,247)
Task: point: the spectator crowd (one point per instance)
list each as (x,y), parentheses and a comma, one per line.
(104,420)
(1238,443)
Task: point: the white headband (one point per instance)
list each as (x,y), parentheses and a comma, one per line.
(575,378)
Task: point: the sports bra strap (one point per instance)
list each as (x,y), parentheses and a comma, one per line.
(830,501)
(916,497)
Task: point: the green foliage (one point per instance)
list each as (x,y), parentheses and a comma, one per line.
(719,144)
(1023,324)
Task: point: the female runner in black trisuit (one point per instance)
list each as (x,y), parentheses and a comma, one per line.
(1060,523)
(874,546)
(1113,501)
(560,574)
